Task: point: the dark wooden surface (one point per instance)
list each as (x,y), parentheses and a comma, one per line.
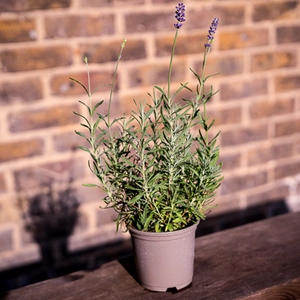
(258,261)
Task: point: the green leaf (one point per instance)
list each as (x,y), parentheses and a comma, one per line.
(90,185)
(83,86)
(84,149)
(96,106)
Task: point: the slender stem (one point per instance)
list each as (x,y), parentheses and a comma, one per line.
(113,83)
(171,63)
(202,83)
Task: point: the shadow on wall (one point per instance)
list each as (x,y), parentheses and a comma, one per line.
(50,217)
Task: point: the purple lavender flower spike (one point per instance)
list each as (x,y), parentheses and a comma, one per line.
(212,30)
(179,15)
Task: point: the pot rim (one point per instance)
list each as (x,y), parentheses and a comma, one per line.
(175,233)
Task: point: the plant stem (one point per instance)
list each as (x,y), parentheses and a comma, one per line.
(171,63)
(113,84)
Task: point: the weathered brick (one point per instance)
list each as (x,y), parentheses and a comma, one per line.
(16,5)
(82,223)
(162,1)
(45,174)
(42,118)
(242,182)
(288,34)
(287,127)
(296,146)
(79,25)
(2,184)
(186,44)
(284,10)
(101,3)
(230,161)
(21,91)
(288,169)
(68,141)
(35,58)
(155,74)
(6,238)
(265,108)
(264,153)
(241,89)
(273,60)
(20,149)
(243,38)
(226,115)
(100,81)
(287,83)
(241,135)
(141,22)
(202,16)
(271,192)
(104,217)
(15,30)
(223,66)
(109,51)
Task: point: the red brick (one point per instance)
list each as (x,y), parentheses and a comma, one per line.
(230,161)
(162,1)
(101,3)
(6,238)
(287,83)
(243,38)
(223,66)
(265,108)
(20,149)
(12,31)
(288,34)
(45,174)
(264,153)
(62,84)
(16,5)
(35,58)
(141,22)
(186,44)
(272,192)
(109,51)
(21,91)
(155,74)
(79,25)
(42,118)
(2,184)
(68,141)
(273,60)
(243,182)
(241,89)
(104,217)
(202,16)
(287,127)
(82,223)
(280,10)
(241,135)
(225,116)
(289,169)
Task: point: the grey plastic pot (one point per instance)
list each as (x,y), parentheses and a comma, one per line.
(166,259)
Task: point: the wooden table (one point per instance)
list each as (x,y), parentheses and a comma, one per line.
(258,261)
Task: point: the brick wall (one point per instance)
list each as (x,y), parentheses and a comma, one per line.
(257,51)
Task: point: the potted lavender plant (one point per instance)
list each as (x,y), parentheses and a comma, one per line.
(159,169)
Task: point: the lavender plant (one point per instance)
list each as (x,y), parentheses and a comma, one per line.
(158,166)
